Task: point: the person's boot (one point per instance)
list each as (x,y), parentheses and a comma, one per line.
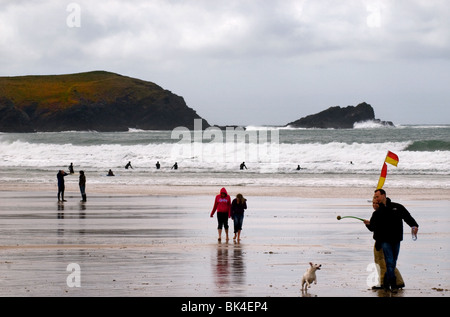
(394,287)
(84,197)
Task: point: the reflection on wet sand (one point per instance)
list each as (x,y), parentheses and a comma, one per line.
(229,269)
(60,216)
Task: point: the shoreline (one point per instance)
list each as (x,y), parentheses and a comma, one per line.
(202,190)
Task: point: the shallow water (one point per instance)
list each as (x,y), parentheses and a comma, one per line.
(167,246)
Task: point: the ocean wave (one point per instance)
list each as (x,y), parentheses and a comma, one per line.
(429,146)
(332,157)
(425,126)
(371,124)
(347,157)
(269,127)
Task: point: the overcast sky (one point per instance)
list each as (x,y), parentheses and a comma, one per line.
(247,62)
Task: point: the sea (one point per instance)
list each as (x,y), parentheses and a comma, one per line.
(273,156)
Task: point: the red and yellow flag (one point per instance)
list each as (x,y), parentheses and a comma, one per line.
(391,158)
(382,176)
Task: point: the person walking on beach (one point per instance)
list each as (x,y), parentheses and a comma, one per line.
(238,207)
(381,263)
(386,224)
(222,204)
(82,184)
(61,186)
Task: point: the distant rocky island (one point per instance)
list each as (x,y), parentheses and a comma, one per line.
(339,118)
(98,101)
(108,102)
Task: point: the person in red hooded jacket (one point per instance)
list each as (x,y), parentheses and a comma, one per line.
(222,204)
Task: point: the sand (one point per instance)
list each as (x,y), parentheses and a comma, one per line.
(161,242)
(251,190)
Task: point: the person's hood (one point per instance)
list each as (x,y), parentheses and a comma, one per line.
(223,191)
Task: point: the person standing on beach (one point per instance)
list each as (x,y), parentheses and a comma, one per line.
(128,165)
(242,166)
(61,186)
(71,171)
(238,207)
(82,184)
(386,224)
(158,166)
(381,263)
(222,204)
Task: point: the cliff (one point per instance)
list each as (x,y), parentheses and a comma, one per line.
(98,100)
(339,118)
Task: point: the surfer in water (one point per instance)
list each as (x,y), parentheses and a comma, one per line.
(71,171)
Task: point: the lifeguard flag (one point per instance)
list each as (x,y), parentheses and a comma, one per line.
(382,176)
(391,158)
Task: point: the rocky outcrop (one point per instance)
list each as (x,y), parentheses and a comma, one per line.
(339,118)
(13,119)
(99,101)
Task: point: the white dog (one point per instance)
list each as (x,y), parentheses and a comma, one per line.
(310,275)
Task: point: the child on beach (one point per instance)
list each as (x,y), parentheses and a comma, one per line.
(222,204)
(238,207)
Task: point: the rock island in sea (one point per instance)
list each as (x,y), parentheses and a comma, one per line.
(339,118)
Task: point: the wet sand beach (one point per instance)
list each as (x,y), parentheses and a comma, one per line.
(161,242)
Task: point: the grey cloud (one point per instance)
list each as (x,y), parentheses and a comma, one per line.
(292,55)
